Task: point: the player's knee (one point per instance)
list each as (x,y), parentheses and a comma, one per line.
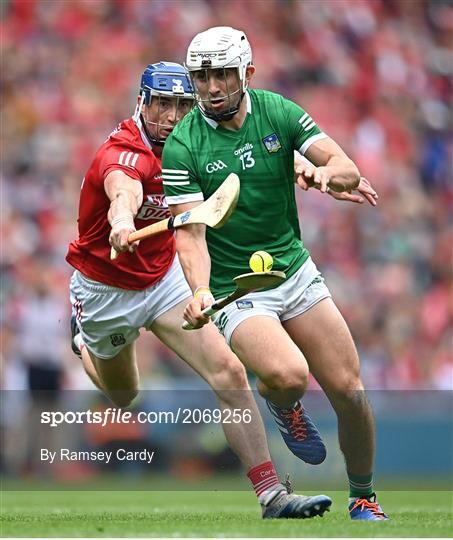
(347,391)
(293,380)
(230,374)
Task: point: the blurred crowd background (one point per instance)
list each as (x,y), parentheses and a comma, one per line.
(374,74)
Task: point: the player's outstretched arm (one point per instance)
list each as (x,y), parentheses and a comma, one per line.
(126,197)
(365,189)
(304,172)
(196,264)
(334,169)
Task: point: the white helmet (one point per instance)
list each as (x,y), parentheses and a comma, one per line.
(221,47)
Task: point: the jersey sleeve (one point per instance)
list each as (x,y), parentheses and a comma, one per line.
(178,173)
(126,158)
(303,129)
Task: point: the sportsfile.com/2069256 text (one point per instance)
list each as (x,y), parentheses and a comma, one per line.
(180,415)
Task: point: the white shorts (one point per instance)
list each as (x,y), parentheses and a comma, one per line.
(110,318)
(292,298)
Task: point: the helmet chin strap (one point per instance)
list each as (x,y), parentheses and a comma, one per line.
(231,111)
(151,139)
(138,108)
(138,115)
(223,116)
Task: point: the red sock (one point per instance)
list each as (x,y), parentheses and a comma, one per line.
(263,477)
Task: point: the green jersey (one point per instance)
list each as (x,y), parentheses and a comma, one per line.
(200,153)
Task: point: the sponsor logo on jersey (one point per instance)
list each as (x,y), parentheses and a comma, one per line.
(117,340)
(239,151)
(154,207)
(216,166)
(244,304)
(272,143)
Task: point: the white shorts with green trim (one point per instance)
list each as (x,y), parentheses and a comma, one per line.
(110,318)
(292,298)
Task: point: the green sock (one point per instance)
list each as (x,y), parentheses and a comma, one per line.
(360,485)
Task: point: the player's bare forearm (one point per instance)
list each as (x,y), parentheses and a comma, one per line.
(366,192)
(126,196)
(196,264)
(341,174)
(193,255)
(304,173)
(334,169)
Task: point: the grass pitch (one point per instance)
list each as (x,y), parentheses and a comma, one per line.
(209,514)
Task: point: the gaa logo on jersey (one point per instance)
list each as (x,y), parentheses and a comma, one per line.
(215,166)
(272,143)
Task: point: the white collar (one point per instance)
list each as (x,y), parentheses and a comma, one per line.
(215,124)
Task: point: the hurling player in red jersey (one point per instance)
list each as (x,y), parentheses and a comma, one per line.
(146,288)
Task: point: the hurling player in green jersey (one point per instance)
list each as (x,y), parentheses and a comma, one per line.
(284,333)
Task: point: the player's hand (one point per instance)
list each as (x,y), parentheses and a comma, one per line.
(321,179)
(364,188)
(367,190)
(307,176)
(193,312)
(304,173)
(119,239)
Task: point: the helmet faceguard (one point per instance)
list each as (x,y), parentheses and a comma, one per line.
(162,81)
(219,48)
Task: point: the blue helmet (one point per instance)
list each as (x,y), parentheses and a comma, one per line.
(166,79)
(163,80)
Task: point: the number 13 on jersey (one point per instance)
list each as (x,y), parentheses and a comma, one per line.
(247,160)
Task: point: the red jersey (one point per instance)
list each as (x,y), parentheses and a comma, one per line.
(127,149)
